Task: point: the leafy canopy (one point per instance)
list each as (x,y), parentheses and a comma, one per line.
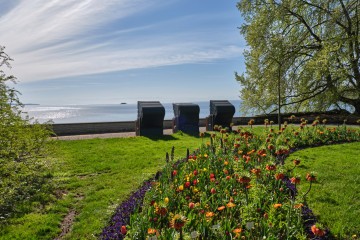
(24,173)
(310,48)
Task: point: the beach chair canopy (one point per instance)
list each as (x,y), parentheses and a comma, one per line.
(221,112)
(188,110)
(150,118)
(221,107)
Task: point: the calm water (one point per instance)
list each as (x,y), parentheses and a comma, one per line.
(102,113)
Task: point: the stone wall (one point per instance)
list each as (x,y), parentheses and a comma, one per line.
(67,129)
(129,126)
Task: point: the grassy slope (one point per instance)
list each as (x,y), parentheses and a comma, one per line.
(335,198)
(95,176)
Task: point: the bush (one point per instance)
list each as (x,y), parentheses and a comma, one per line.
(24,174)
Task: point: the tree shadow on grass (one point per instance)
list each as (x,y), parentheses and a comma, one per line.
(174,136)
(303,167)
(327,200)
(162,138)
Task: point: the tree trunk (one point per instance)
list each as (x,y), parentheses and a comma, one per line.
(279,98)
(353,102)
(357,108)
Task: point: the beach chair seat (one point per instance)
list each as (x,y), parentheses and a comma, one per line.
(186,118)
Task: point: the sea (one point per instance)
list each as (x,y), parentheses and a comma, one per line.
(103,112)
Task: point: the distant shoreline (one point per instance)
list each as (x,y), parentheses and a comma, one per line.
(25,104)
(103,112)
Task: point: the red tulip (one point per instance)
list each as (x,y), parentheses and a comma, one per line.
(279,176)
(317,231)
(123,230)
(295,180)
(296,162)
(310,177)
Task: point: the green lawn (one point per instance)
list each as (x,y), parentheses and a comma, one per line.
(335,197)
(94,177)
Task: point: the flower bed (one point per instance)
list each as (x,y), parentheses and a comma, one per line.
(235,187)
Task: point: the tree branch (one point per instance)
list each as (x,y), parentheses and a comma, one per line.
(305,93)
(301,19)
(325,10)
(346,13)
(306,98)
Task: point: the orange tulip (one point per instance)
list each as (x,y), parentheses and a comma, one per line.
(298,205)
(230,205)
(209,214)
(221,208)
(277,205)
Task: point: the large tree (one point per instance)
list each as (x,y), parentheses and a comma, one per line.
(308,51)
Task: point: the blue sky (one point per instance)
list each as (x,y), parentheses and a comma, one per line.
(99,52)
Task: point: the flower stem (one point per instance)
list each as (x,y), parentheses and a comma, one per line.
(246,194)
(181,234)
(308,190)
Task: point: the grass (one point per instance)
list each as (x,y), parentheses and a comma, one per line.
(335,197)
(94,176)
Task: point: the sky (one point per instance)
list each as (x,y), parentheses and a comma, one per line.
(113,51)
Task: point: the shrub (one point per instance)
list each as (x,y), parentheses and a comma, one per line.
(24,174)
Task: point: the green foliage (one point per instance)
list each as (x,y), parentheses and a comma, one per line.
(23,146)
(232,188)
(309,48)
(220,195)
(93,176)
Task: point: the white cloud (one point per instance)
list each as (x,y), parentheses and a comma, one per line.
(62,38)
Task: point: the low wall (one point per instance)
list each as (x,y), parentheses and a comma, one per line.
(68,129)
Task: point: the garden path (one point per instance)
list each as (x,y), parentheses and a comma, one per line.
(110,135)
